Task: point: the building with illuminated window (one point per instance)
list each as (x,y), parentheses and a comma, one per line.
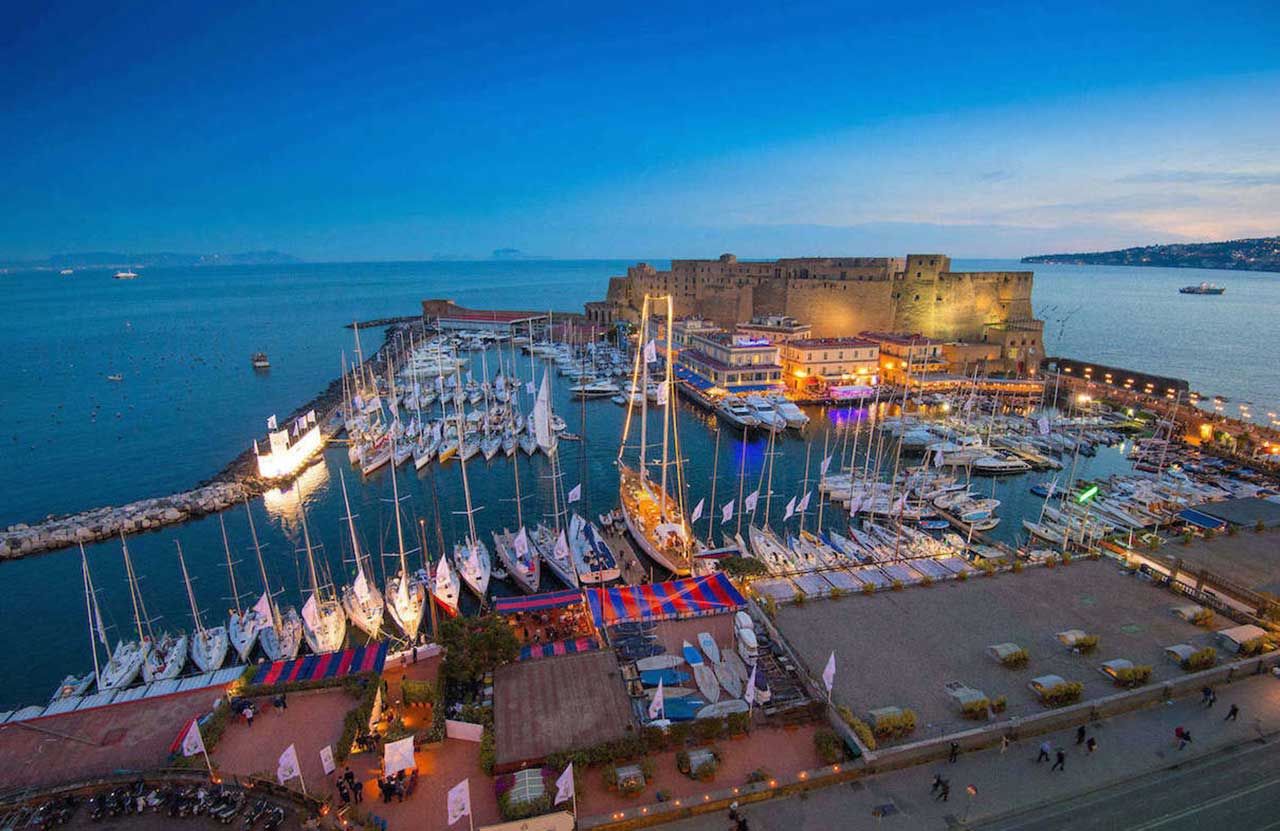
(830,367)
(776,328)
(713,361)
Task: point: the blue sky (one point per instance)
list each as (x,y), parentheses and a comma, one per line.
(334,131)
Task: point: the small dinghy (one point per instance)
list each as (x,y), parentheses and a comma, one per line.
(723,708)
(668,677)
(659,662)
(731,683)
(669,692)
(709,647)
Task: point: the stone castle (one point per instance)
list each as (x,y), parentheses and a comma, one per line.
(840,296)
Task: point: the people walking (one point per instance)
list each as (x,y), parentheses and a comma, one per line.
(1045,750)
(1233,713)
(1061,762)
(1091,745)
(1183,735)
(937,783)
(944,793)
(955,752)
(1213,699)
(1205,692)
(343,793)
(1004,744)
(1080,734)
(357,791)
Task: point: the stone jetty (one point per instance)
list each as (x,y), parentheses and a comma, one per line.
(236,482)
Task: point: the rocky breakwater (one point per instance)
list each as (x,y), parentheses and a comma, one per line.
(101,523)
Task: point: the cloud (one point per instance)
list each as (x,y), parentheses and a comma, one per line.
(1222,178)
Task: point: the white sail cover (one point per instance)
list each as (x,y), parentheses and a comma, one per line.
(443,578)
(542,414)
(263,608)
(361,586)
(562,548)
(402,591)
(311,613)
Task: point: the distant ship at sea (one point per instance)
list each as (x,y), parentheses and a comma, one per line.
(1203,288)
(127,274)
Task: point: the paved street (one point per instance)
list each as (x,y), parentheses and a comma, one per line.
(1137,779)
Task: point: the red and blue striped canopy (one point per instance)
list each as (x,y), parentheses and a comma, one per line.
(690,597)
(531,652)
(330,665)
(536,602)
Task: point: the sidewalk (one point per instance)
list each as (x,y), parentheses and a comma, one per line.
(1129,746)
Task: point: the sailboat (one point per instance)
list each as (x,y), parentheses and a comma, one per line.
(242,627)
(406,597)
(282,636)
(446,587)
(542,415)
(73,687)
(208,646)
(654,517)
(324,624)
(162,658)
(361,600)
(518,556)
(554,548)
(471,556)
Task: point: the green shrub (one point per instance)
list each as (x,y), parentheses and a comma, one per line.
(743,567)
(417,692)
(1232,530)
(512,810)
(1187,537)
(800,599)
(836,594)
(897,585)
(1203,617)
(926,580)
(682,761)
(738,724)
(1259,526)
(830,748)
(858,726)
(1086,644)
(1016,568)
(1131,677)
(680,732)
(868,588)
(1068,692)
(999,704)
(1200,659)
(488,752)
(1254,646)
(962,576)
(770,606)
(655,738)
(708,729)
(1016,660)
(1066,559)
(895,727)
(1209,533)
(1051,562)
(976,709)
(356,721)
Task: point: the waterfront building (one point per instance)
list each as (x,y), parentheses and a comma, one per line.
(830,367)
(903,353)
(838,296)
(685,328)
(777,329)
(730,362)
(288,448)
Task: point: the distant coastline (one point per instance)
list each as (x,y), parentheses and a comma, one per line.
(1261,254)
(161,259)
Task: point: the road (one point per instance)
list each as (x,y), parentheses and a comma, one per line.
(1232,789)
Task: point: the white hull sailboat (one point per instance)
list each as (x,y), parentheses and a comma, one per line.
(406,597)
(281,633)
(555,552)
(208,646)
(164,657)
(519,558)
(324,624)
(474,566)
(242,626)
(445,587)
(361,600)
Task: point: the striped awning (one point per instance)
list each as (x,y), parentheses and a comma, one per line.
(330,665)
(536,602)
(546,650)
(690,597)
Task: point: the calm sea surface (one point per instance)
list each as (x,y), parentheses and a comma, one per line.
(189,402)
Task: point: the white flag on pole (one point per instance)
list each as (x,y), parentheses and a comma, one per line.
(564,786)
(697,512)
(398,756)
(575,493)
(829,674)
(271,423)
(937,458)
(459,801)
(663,393)
(726,513)
(530,387)
(750,695)
(855,504)
(651,352)
(655,706)
(192,741)
(826,465)
(803,504)
(791,509)
(326,759)
(288,768)
(750,504)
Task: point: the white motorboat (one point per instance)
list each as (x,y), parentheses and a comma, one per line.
(736,413)
(594,389)
(765,413)
(999,465)
(795,417)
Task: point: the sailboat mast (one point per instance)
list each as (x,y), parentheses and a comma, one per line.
(133,589)
(186,578)
(644,388)
(262,568)
(466,485)
(715,467)
(395,499)
(306,541)
(89,605)
(226,547)
(668,412)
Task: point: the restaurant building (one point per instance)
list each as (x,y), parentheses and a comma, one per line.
(729,362)
(825,368)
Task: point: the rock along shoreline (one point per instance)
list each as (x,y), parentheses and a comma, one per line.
(236,482)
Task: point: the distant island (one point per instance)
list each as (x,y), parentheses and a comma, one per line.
(1262,254)
(162,259)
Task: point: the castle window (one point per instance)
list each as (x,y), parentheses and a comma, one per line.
(917,297)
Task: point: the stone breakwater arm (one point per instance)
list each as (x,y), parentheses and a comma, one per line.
(239,480)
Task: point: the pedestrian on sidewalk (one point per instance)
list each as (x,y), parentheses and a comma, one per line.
(1233,713)
(1205,692)
(937,783)
(1061,762)
(1183,735)
(733,812)
(1091,745)
(357,791)
(248,715)
(343,793)
(955,751)
(1213,699)
(348,776)
(944,793)
(1045,749)
(1004,744)
(1080,733)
